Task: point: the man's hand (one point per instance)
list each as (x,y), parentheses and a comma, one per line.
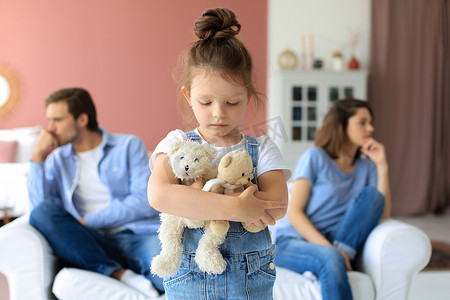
(46,143)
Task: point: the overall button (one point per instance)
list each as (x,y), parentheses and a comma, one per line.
(271,266)
(271,252)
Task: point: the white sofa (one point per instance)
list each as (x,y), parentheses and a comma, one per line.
(393,253)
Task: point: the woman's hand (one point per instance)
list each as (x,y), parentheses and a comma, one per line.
(375,151)
(347,259)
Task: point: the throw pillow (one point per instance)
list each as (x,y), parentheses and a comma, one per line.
(7,151)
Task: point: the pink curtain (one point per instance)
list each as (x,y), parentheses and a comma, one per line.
(409,90)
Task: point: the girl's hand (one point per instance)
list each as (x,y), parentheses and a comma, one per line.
(253,210)
(198,184)
(375,151)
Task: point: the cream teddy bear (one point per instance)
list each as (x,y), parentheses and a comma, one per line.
(234,175)
(190,161)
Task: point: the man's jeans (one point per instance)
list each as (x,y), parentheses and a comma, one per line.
(92,250)
(327,263)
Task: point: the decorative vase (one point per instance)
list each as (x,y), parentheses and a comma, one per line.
(353,64)
(337,61)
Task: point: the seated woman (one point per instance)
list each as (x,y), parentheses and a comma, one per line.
(337,198)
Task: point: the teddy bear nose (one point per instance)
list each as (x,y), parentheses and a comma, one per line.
(186,168)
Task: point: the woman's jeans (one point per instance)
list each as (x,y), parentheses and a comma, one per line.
(90,249)
(327,263)
(250,271)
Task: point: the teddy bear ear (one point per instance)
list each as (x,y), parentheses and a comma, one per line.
(174,147)
(226,161)
(209,150)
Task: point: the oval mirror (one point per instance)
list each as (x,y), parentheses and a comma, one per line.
(9,90)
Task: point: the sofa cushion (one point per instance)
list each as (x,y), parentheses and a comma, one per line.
(293,286)
(75,284)
(290,285)
(362,285)
(7,151)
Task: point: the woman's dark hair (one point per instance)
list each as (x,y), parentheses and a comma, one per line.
(218,50)
(332,134)
(78,101)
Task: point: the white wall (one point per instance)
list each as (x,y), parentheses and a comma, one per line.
(331,22)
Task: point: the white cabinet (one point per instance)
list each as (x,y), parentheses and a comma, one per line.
(300,99)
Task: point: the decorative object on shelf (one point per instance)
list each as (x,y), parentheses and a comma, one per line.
(307,53)
(9,89)
(303,52)
(318,64)
(338,61)
(311,51)
(287,60)
(353,64)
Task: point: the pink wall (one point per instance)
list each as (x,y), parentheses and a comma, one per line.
(122,51)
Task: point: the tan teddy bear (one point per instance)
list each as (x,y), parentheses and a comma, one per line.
(234,175)
(190,161)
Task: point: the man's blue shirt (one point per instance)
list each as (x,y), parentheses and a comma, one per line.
(123,168)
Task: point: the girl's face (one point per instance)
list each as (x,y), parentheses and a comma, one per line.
(219,106)
(359,128)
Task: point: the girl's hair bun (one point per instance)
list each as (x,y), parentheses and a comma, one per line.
(217,23)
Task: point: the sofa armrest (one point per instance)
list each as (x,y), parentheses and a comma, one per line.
(26,260)
(393,253)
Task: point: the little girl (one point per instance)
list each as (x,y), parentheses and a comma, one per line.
(218,87)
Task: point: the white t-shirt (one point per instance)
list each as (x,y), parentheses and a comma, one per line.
(269,156)
(91,195)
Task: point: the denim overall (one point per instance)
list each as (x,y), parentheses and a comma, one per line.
(250,271)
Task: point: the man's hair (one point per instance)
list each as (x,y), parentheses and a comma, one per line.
(332,134)
(78,102)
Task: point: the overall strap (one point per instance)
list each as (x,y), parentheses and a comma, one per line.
(253,148)
(193,136)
